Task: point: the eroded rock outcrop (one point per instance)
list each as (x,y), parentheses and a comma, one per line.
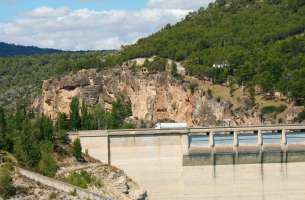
(154,97)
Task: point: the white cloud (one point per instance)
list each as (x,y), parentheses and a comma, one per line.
(84,29)
(178,4)
(48,12)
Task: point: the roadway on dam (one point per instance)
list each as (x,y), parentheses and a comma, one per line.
(156,164)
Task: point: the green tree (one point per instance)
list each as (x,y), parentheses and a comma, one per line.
(26,147)
(3,136)
(77,149)
(99,118)
(252,101)
(20,115)
(74,115)
(47,165)
(85,117)
(120,110)
(45,126)
(7,188)
(264,79)
(297,85)
(62,122)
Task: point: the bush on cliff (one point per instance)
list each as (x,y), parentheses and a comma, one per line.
(81,179)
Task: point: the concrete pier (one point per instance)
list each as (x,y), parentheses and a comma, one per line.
(259,138)
(284,137)
(235,139)
(211,139)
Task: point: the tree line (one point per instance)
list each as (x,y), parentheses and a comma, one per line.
(257,43)
(35,139)
(21,77)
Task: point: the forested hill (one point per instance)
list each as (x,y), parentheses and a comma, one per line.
(16,50)
(21,77)
(248,42)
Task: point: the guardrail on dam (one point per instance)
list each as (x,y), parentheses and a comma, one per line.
(244,144)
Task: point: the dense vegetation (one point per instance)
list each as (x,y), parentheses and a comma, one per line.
(21,77)
(17,50)
(248,42)
(31,140)
(83,119)
(35,139)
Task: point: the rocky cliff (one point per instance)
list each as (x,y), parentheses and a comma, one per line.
(154,97)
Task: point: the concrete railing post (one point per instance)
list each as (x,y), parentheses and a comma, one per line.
(211,139)
(109,149)
(235,139)
(259,138)
(284,137)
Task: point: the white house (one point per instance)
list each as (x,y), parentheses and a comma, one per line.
(220,66)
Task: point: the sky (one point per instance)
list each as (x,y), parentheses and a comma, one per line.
(88,24)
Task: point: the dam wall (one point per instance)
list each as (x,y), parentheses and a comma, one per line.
(163,162)
(111,145)
(117,149)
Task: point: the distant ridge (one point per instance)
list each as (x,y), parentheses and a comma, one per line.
(17,50)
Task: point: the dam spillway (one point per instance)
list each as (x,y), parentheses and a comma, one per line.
(247,151)
(156,160)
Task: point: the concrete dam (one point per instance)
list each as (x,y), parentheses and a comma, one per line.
(202,163)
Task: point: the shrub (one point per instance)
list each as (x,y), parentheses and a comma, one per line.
(53,195)
(7,188)
(301,116)
(273,109)
(210,94)
(193,87)
(157,65)
(128,126)
(81,179)
(77,149)
(47,165)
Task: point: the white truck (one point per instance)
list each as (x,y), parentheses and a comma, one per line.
(171,125)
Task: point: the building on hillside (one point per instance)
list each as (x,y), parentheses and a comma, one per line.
(220,65)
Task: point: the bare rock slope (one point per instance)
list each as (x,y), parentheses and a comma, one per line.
(154,97)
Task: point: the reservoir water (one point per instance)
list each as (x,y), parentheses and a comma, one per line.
(156,164)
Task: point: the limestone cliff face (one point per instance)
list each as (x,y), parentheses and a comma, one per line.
(155,97)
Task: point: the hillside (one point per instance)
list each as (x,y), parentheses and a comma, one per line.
(17,50)
(151,97)
(21,77)
(249,43)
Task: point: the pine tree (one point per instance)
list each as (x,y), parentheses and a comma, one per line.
(62,122)
(74,115)
(45,126)
(20,115)
(3,137)
(85,117)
